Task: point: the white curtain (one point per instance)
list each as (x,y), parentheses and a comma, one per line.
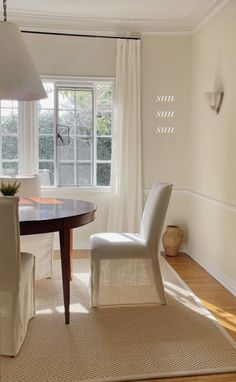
(125,208)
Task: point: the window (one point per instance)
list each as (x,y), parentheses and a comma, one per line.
(9,138)
(67,137)
(74,134)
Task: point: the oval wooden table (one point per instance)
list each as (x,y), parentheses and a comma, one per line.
(43,215)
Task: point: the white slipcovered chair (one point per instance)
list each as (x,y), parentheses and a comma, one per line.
(17,303)
(124,266)
(40,245)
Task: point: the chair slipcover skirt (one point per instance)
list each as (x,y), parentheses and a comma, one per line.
(123,281)
(17,294)
(124,267)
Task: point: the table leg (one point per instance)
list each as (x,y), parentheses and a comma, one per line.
(65,266)
(71,253)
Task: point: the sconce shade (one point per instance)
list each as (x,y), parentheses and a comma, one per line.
(19,79)
(214,100)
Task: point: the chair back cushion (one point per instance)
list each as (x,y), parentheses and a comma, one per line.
(9,243)
(154,214)
(30,185)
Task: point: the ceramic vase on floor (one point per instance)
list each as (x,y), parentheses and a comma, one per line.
(172,240)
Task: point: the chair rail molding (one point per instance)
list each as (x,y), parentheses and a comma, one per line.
(186,191)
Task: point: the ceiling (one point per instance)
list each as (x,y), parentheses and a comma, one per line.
(113,15)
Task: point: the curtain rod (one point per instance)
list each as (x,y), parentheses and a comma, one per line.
(81,35)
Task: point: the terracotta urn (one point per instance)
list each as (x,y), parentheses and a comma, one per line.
(172,240)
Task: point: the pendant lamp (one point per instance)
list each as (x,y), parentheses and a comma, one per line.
(19,79)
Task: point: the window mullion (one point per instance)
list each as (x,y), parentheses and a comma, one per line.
(76,180)
(0,139)
(95,137)
(56,154)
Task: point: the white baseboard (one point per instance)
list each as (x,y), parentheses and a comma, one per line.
(221,277)
(83,245)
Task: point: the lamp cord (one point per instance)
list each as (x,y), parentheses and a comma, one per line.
(5,10)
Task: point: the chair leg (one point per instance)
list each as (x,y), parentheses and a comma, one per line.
(158,281)
(95,281)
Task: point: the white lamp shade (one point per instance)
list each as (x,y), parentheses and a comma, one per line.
(19,79)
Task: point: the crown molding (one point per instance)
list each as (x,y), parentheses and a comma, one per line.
(57,22)
(204,19)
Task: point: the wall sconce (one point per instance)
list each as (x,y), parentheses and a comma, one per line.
(214,100)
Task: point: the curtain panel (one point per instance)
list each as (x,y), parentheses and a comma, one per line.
(125,206)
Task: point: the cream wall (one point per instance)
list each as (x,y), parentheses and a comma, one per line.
(212,200)
(63,55)
(166,70)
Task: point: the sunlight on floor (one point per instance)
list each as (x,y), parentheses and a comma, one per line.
(187,298)
(74,308)
(83,277)
(44,311)
(226,319)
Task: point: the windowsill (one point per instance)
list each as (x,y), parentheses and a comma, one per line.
(77,189)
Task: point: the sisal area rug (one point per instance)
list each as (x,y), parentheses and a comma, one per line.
(118,344)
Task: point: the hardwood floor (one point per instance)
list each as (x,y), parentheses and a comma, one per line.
(212,294)
(217,300)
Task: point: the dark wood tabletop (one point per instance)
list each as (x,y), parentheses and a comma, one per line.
(43,215)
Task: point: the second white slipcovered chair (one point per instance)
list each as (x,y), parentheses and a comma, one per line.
(40,245)
(124,266)
(17,304)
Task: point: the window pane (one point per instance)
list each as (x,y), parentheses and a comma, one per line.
(9,147)
(9,120)
(84,121)
(103,123)
(104,148)
(9,104)
(66,152)
(66,99)
(46,121)
(46,147)
(83,99)
(84,149)
(103,174)
(67,118)
(47,103)
(104,96)
(47,169)
(84,174)
(66,174)
(9,154)
(10,168)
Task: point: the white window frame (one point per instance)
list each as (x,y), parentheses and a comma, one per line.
(28,130)
(73,82)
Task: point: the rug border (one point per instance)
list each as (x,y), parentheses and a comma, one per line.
(175,374)
(200,304)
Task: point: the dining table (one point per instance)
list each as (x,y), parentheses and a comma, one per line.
(44,215)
